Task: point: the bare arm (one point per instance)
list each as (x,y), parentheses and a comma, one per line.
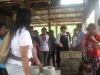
(57,39)
(35,58)
(24,59)
(38,50)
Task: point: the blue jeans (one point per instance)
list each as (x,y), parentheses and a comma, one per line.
(44,57)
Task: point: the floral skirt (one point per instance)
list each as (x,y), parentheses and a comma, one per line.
(94,63)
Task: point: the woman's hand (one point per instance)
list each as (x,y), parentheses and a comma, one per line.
(60,45)
(35,58)
(97,45)
(41,69)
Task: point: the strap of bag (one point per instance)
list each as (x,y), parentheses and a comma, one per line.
(14,57)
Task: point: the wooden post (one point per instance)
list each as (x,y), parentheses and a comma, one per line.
(56,30)
(49,24)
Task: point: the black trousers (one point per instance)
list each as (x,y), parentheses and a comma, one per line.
(58,58)
(59,49)
(3,71)
(53,58)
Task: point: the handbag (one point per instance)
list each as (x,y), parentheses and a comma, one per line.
(4,49)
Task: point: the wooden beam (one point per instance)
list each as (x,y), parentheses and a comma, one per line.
(51,14)
(33,11)
(63,13)
(66,22)
(53,17)
(77,20)
(69,18)
(62,7)
(34,1)
(26,2)
(64,18)
(8,5)
(58,21)
(39,25)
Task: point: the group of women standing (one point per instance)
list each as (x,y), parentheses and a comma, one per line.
(21,46)
(49,44)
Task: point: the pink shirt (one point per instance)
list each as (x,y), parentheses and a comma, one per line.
(35,50)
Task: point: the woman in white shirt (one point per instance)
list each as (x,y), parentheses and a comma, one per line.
(63,43)
(20,45)
(44,46)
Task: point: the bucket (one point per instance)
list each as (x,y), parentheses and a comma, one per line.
(34,70)
(49,70)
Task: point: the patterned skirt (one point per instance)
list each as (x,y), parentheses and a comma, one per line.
(94,63)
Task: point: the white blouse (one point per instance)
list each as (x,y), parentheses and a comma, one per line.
(74,41)
(44,44)
(58,39)
(22,39)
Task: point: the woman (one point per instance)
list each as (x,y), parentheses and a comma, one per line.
(52,43)
(44,46)
(2,66)
(74,39)
(20,45)
(91,63)
(35,41)
(63,43)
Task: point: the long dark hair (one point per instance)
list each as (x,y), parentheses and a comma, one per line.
(23,19)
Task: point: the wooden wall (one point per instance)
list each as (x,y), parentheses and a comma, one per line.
(7,20)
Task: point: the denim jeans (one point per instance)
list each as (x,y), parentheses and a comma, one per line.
(44,56)
(53,58)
